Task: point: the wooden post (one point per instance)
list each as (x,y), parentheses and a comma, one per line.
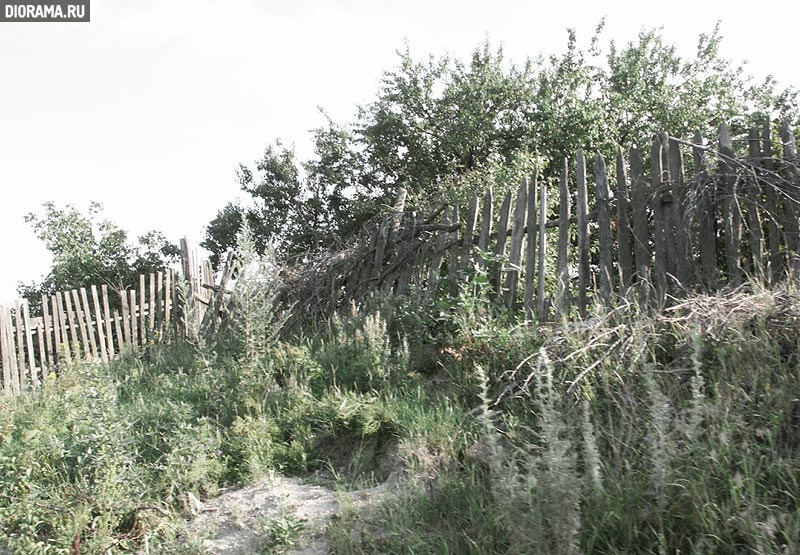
(142,309)
(126,319)
(89,326)
(668,204)
(43,364)
(753,193)
(55,317)
(530,255)
(774,239)
(20,338)
(65,318)
(169,293)
(790,202)
(79,318)
(107,320)
(438,256)
(733,214)
(584,278)
(624,236)
(151,312)
(118,328)
(469,233)
(134,331)
(47,321)
(641,234)
(6,352)
(706,214)
(659,224)
(453,256)
(26,323)
(486,225)
(562,269)
(160,302)
(500,246)
(98,318)
(681,221)
(541,308)
(517,235)
(604,229)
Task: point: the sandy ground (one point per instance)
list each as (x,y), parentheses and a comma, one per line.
(237,521)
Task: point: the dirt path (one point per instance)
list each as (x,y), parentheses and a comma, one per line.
(251,519)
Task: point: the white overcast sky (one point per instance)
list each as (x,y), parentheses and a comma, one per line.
(149,108)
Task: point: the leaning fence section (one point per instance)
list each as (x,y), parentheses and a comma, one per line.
(99,322)
(685,214)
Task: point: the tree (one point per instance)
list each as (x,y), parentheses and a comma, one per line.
(440,122)
(89,251)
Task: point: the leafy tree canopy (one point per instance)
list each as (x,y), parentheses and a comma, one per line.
(441,121)
(88,250)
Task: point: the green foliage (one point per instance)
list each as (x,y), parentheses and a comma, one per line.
(89,251)
(440,125)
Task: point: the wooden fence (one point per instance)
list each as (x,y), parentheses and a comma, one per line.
(647,226)
(81,323)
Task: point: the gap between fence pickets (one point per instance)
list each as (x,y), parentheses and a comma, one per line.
(81,324)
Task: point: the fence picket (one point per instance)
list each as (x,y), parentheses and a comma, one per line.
(582,210)
(515,251)
(500,246)
(562,269)
(530,255)
(624,234)
(604,229)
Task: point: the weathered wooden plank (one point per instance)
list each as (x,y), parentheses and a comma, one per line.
(732,214)
(773,207)
(641,233)
(133,308)
(396,218)
(380,251)
(160,302)
(151,311)
(753,193)
(107,321)
(582,209)
(43,365)
(436,262)
(541,308)
(706,215)
(562,268)
(604,229)
(453,256)
(47,323)
(22,366)
(89,325)
(659,223)
(28,330)
(6,352)
(790,202)
(80,324)
(682,224)
(66,321)
(142,297)
(58,351)
(469,233)
(500,246)
(101,334)
(126,319)
(12,351)
(169,295)
(486,225)
(530,255)
(667,194)
(624,233)
(119,331)
(515,251)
